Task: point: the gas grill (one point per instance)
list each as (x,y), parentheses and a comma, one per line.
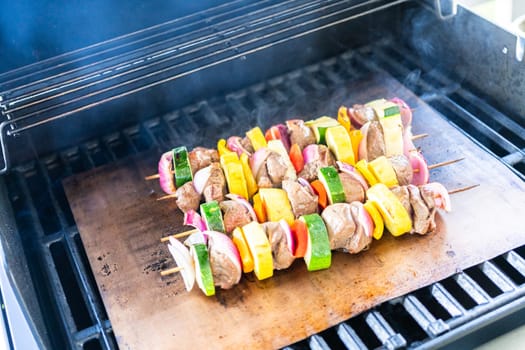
(210,73)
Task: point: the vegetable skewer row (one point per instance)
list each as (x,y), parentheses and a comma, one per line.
(241,181)
(192,231)
(327,130)
(157,176)
(251,249)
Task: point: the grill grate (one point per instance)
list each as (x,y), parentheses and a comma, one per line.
(69,295)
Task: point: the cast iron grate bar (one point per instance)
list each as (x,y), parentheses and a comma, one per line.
(378,327)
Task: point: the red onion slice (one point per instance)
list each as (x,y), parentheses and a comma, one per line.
(285,139)
(350,170)
(220,242)
(420,168)
(307,185)
(197,238)
(288,233)
(201,178)
(355,118)
(235,145)
(183,259)
(192,218)
(405,110)
(258,159)
(310,153)
(362,149)
(244,202)
(363,217)
(165,169)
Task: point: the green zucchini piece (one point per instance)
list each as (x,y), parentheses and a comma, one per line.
(332,184)
(212,215)
(203,273)
(318,255)
(181,166)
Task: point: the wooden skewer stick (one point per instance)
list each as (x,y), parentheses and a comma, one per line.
(168,196)
(179,235)
(152,177)
(437,165)
(419,136)
(462,189)
(171,271)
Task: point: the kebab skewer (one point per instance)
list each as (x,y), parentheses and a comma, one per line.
(296,132)
(263,247)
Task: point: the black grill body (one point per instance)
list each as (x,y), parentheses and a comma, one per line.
(189,79)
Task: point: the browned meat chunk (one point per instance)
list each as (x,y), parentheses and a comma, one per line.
(402,194)
(402,169)
(301,199)
(353,189)
(281,254)
(375,141)
(360,240)
(300,133)
(247,144)
(274,170)
(322,158)
(340,225)
(423,215)
(224,271)
(277,168)
(187,197)
(215,187)
(201,157)
(362,113)
(234,215)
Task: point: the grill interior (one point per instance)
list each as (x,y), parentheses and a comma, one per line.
(67,294)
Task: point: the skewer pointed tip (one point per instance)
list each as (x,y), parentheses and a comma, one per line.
(419,136)
(437,165)
(168,196)
(179,235)
(170,271)
(152,177)
(462,189)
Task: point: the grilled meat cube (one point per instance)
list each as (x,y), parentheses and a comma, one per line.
(274,171)
(187,197)
(375,141)
(247,144)
(215,187)
(234,215)
(300,133)
(301,199)
(340,225)
(423,216)
(277,168)
(322,158)
(353,189)
(225,273)
(281,254)
(362,113)
(360,239)
(402,168)
(403,195)
(201,157)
